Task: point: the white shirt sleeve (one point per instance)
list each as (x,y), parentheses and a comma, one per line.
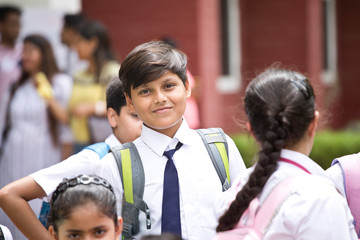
(85,162)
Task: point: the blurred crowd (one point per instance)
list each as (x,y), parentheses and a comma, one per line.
(48,113)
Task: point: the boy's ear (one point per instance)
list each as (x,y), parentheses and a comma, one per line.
(187,89)
(119,227)
(111,116)
(129,103)
(53,233)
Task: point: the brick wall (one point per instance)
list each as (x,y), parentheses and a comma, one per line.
(347,108)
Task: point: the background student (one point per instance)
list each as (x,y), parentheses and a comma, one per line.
(84,207)
(33,118)
(126,127)
(280,106)
(88,96)
(156,87)
(10,50)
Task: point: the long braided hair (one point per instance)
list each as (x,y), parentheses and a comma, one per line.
(280,105)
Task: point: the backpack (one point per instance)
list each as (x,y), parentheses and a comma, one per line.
(101,149)
(350,166)
(257,218)
(133,177)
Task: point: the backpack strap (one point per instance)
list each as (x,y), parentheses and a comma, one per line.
(215,142)
(350,166)
(101,148)
(275,199)
(133,180)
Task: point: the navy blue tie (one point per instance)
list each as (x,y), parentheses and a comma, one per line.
(170,220)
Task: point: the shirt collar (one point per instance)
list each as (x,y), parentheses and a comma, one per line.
(159,142)
(112,141)
(302,160)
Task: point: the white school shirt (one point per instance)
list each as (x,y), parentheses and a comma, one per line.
(315,212)
(84,162)
(198,181)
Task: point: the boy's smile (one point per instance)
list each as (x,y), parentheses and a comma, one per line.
(160,104)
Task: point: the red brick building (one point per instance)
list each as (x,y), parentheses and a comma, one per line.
(229,41)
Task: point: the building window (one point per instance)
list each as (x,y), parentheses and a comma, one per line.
(230,80)
(329,42)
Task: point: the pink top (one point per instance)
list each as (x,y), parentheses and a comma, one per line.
(10,68)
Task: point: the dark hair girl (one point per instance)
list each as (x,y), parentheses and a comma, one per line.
(280,106)
(84,206)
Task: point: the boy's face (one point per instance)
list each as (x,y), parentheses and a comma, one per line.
(126,126)
(160,104)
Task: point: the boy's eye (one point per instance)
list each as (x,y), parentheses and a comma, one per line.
(169,85)
(144,91)
(73,236)
(100,233)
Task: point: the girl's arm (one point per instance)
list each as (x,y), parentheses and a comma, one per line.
(58,111)
(14,201)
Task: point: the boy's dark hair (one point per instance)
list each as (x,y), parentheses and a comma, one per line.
(74,21)
(7,9)
(148,62)
(280,105)
(115,97)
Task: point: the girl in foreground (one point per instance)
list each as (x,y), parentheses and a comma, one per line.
(280,106)
(84,208)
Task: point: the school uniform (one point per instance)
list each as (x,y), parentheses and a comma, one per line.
(199,183)
(316,211)
(84,162)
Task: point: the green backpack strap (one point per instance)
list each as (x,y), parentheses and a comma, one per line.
(217,147)
(133,180)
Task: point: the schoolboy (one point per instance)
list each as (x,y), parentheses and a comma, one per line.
(126,127)
(156,88)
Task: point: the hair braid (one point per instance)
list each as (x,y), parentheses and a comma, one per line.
(280,105)
(266,165)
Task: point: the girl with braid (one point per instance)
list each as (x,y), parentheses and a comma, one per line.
(282,117)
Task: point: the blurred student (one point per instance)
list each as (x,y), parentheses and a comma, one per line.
(10,51)
(282,117)
(69,33)
(88,96)
(84,207)
(14,197)
(35,113)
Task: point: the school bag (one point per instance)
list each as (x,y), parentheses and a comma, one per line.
(350,166)
(133,177)
(257,218)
